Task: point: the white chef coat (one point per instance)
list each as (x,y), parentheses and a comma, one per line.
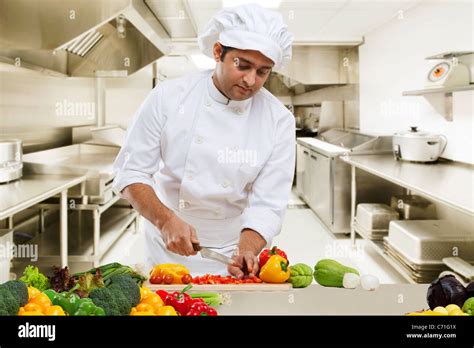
(221,165)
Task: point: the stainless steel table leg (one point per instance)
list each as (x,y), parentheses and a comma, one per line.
(96,219)
(63,228)
(353,203)
(41,221)
(10,222)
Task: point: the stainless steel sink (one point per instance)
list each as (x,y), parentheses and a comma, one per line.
(94,161)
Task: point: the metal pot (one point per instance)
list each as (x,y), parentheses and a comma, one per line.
(418,146)
(11,163)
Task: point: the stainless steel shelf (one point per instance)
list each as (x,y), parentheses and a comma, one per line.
(421,92)
(33,188)
(377,245)
(445,92)
(450,183)
(114,222)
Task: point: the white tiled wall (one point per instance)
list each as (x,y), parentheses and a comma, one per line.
(392,60)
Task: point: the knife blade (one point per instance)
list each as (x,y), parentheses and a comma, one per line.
(213,255)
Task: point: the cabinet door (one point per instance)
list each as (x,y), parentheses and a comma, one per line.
(320,198)
(300,168)
(306,175)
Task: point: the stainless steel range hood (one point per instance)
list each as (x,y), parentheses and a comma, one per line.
(86,38)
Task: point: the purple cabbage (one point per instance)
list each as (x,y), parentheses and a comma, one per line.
(446,290)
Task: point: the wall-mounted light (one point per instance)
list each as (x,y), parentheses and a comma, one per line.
(121,30)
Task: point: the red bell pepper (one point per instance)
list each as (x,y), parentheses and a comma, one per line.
(267,253)
(201,309)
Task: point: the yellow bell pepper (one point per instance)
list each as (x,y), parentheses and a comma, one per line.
(177,271)
(275,270)
(166,310)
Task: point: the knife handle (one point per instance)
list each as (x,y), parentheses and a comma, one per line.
(196,247)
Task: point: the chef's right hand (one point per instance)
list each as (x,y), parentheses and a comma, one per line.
(179,236)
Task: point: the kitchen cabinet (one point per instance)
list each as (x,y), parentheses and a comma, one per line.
(319,189)
(300,168)
(313,181)
(303,175)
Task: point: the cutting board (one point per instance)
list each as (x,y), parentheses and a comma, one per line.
(221,287)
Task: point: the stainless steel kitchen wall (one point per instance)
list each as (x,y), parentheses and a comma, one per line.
(40,110)
(347,89)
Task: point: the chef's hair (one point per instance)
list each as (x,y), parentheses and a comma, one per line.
(225,49)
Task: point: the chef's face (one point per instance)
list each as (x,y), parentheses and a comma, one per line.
(242,73)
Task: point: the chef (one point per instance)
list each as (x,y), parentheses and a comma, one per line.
(209,157)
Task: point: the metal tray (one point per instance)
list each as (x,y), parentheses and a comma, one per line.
(429,241)
(375,216)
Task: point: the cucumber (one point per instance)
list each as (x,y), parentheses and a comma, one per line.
(329,272)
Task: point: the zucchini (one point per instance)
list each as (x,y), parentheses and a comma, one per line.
(329,272)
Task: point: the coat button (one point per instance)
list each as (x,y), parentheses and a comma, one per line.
(225,183)
(207,102)
(217,211)
(190,177)
(199,140)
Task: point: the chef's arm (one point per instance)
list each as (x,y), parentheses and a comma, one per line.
(144,200)
(246,260)
(270,191)
(263,217)
(137,162)
(251,241)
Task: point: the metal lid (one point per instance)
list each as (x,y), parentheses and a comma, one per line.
(414,133)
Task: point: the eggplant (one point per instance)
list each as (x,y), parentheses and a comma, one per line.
(470,290)
(446,290)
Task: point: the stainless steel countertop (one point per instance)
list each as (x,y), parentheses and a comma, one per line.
(31,189)
(451,183)
(389,299)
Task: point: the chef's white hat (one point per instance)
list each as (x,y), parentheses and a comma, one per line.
(249,27)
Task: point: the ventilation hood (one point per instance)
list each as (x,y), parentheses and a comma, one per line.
(82,38)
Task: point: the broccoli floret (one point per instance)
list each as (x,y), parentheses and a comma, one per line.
(8,303)
(128,286)
(19,290)
(123,303)
(103,297)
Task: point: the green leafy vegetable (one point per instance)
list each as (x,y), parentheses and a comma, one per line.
(33,277)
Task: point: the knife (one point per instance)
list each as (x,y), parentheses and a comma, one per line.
(213,255)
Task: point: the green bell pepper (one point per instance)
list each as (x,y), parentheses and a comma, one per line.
(88,308)
(68,301)
(50,293)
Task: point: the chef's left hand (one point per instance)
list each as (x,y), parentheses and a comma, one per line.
(245,265)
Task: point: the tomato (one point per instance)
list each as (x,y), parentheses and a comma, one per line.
(168,279)
(186,279)
(156,279)
(217,279)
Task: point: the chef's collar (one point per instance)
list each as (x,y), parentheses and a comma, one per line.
(217,96)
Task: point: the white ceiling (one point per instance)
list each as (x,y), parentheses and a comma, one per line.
(310,21)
